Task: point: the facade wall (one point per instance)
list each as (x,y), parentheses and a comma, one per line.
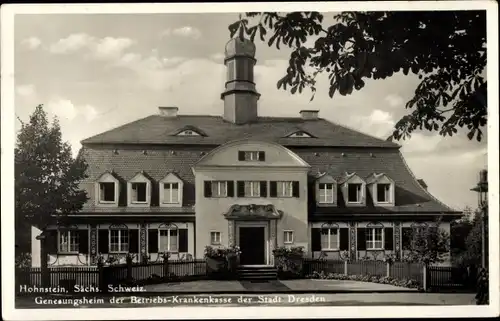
(210,211)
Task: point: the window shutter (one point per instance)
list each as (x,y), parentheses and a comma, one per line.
(230,188)
(316,239)
(83,246)
(51,241)
(103,245)
(153,241)
(361,239)
(406,237)
(240,188)
(262,156)
(263,189)
(183,240)
(344,239)
(389,238)
(273,189)
(208,188)
(133,245)
(241,156)
(295,189)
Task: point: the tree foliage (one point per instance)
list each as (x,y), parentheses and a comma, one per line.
(46,174)
(428,244)
(446,49)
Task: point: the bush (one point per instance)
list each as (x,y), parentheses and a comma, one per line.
(289,260)
(407,283)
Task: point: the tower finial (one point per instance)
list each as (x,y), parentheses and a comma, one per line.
(241,35)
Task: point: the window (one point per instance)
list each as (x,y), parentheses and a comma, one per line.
(383,193)
(107,192)
(68,241)
(188,132)
(251,156)
(219,188)
(171,193)
(354,193)
(374,239)
(139,192)
(168,240)
(288,237)
(330,238)
(326,193)
(285,189)
(252,189)
(300,134)
(215,238)
(118,241)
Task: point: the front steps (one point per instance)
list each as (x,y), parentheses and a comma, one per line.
(257,273)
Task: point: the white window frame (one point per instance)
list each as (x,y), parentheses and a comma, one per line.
(251,156)
(388,193)
(373,238)
(101,194)
(69,237)
(132,190)
(330,236)
(324,200)
(219,184)
(168,200)
(213,240)
(252,184)
(281,191)
(360,193)
(160,248)
(288,240)
(120,244)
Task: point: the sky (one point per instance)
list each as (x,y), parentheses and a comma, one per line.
(99,71)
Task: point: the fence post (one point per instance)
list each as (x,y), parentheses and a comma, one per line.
(424,275)
(103,287)
(165,266)
(388,269)
(345,267)
(129,269)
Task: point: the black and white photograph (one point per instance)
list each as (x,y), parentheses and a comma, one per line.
(250,160)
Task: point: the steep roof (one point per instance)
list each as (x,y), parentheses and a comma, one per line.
(157,129)
(410,196)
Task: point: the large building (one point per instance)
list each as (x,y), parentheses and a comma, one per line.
(177,183)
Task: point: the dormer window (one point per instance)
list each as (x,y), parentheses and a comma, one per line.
(383,193)
(251,156)
(300,134)
(171,188)
(188,132)
(326,191)
(170,193)
(139,190)
(354,193)
(107,192)
(381,188)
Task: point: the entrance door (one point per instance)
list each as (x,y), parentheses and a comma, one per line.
(252,245)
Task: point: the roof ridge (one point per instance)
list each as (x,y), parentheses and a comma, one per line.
(422,188)
(116,128)
(360,132)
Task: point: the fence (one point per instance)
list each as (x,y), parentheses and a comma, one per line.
(450,278)
(101,277)
(430,277)
(66,277)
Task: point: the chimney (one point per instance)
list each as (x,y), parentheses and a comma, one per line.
(309,114)
(422,183)
(168,111)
